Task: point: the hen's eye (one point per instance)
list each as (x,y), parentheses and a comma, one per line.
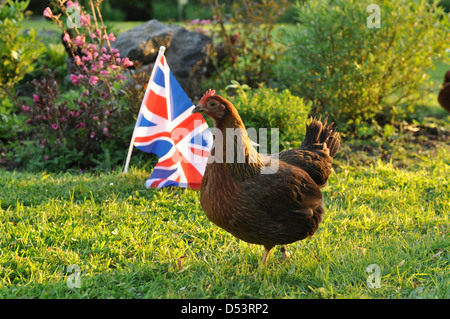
(212,104)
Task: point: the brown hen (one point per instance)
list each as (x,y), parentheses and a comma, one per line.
(444,93)
(264,200)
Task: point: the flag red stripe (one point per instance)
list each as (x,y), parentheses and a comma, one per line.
(143,139)
(156,104)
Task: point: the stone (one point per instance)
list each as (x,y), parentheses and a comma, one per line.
(187,52)
(142,43)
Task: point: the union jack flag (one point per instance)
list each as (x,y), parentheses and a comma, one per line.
(167,128)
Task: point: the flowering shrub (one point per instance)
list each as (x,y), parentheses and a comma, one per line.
(94,59)
(93,120)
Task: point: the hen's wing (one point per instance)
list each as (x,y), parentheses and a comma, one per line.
(283,205)
(288,190)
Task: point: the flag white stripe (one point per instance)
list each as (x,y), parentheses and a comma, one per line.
(159,90)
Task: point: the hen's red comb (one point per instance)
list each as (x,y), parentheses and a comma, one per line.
(207,94)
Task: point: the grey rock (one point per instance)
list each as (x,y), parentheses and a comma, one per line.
(187,52)
(142,42)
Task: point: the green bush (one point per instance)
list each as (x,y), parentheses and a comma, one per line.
(246,47)
(361,75)
(269,108)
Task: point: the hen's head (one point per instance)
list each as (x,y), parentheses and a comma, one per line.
(216,107)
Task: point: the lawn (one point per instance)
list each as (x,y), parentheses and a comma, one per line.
(129,242)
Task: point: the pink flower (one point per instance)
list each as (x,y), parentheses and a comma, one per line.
(107,112)
(105,57)
(85,20)
(79,40)
(122,77)
(195,21)
(92,134)
(36,98)
(25,108)
(55,126)
(48,13)
(110,37)
(72,4)
(105,129)
(95,118)
(83,125)
(72,113)
(93,79)
(115,52)
(46,157)
(203,22)
(96,35)
(92,46)
(78,60)
(100,64)
(85,93)
(74,78)
(66,37)
(113,66)
(127,62)
(87,57)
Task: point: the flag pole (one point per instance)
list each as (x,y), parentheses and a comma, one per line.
(138,121)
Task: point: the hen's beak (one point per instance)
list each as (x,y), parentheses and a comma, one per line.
(197,109)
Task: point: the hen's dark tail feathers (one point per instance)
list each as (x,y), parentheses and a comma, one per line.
(320,136)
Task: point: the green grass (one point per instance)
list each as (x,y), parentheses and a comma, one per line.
(130,242)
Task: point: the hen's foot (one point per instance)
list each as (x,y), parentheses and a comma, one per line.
(286,254)
(266,254)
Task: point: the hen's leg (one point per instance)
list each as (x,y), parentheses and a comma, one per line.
(266,254)
(286,254)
